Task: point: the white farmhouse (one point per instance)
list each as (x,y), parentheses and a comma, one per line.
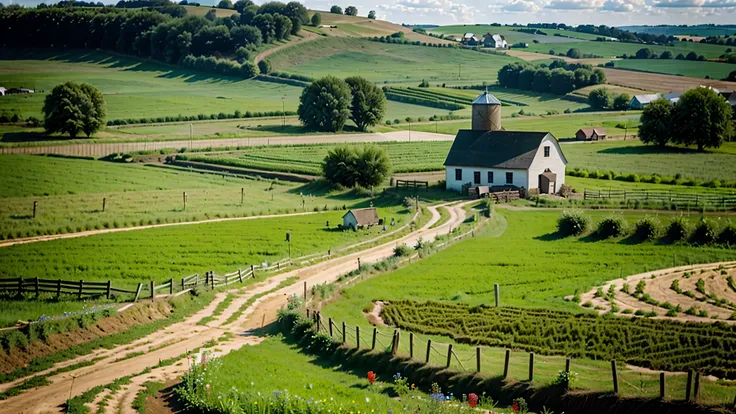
(487,155)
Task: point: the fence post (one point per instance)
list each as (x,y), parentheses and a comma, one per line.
(242,195)
(343,333)
(688,386)
(696,387)
(35,207)
(36,286)
(477,359)
(373,342)
(506,363)
(357,336)
(305,291)
(206,279)
(104,202)
(329,321)
(615,376)
(253,271)
(240,275)
(185,200)
(567,370)
(429,349)
(212,278)
(531,366)
(497,293)
(109,288)
(411,345)
(182,284)
(81,285)
(138,292)
(171,286)
(449,355)
(153,287)
(661,385)
(58,288)
(20,286)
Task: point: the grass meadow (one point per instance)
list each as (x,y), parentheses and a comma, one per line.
(694,69)
(612,49)
(386,63)
(70,193)
(135,88)
(529,102)
(535,269)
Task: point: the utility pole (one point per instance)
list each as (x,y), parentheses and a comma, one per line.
(460,71)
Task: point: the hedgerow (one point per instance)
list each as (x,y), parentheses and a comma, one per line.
(653,179)
(201,117)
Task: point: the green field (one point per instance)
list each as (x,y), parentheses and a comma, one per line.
(517,99)
(511,34)
(174,252)
(535,269)
(135,88)
(612,49)
(70,192)
(386,63)
(695,69)
(674,30)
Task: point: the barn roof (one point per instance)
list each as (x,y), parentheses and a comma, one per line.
(645,99)
(495,149)
(364,216)
(486,99)
(588,131)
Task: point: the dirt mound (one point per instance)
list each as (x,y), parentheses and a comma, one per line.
(139,314)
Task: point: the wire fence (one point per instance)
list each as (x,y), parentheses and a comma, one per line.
(606,376)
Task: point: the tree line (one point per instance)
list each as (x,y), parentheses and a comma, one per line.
(608,31)
(559,78)
(151,33)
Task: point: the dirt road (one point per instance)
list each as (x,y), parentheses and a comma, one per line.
(101,150)
(184,336)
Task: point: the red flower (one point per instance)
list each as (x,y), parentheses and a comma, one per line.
(371,377)
(515,407)
(472,400)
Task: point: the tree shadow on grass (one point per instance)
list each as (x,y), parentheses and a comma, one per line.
(554,236)
(647,150)
(30,136)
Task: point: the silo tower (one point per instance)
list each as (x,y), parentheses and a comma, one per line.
(486,113)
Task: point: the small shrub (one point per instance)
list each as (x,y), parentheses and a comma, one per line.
(402,250)
(573,223)
(640,287)
(705,232)
(612,226)
(587,304)
(647,228)
(727,235)
(677,230)
(639,312)
(565,190)
(627,311)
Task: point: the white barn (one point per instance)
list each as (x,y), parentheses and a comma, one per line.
(360,217)
(487,155)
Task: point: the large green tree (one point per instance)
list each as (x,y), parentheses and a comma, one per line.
(367,166)
(599,99)
(338,167)
(702,117)
(656,123)
(369,102)
(72,108)
(316,19)
(351,11)
(621,102)
(325,104)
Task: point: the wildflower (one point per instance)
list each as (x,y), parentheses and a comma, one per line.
(397,376)
(472,400)
(412,386)
(255,402)
(207,388)
(515,406)
(367,399)
(371,377)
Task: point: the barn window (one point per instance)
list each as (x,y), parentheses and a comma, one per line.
(509,178)
(458,174)
(476,177)
(490,177)
(546,152)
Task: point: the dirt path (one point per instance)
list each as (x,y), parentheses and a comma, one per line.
(104,149)
(294,41)
(185,336)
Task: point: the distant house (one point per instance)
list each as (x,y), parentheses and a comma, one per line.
(2,91)
(14,91)
(360,217)
(591,134)
(469,39)
(494,41)
(672,97)
(640,101)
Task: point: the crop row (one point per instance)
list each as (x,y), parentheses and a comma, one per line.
(401,95)
(658,344)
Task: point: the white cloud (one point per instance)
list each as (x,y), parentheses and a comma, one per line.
(416,10)
(676,4)
(574,4)
(520,6)
(619,6)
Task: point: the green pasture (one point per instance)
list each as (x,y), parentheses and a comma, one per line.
(695,69)
(535,268)
(159,254)
(561,126)
(611,49)
(135,88)
(674,30)
(581,184)
(529,102)
(70,193)
(512,34)
(385,63)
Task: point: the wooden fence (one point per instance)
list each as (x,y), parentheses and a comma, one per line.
(412,184)
(58,287)
(725,201)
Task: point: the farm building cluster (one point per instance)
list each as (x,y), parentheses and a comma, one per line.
(493,159)
(487,40)
(15,91)
(641,101)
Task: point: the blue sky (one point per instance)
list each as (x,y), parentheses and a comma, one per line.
(608,12)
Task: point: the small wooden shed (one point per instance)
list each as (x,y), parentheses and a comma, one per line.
(360,217)
(590,134)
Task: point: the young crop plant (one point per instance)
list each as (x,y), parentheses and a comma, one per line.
(676,286)
(700,286)
(625,288)
(640,287)
(599,293)
(612,292)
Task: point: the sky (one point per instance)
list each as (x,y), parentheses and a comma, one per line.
(573,12)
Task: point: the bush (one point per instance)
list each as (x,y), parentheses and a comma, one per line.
(264,66)
(677,230)
(565,190)
(647,228)
(402,250)
(612,226)
(727,235)
(573,223)
(705,232)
